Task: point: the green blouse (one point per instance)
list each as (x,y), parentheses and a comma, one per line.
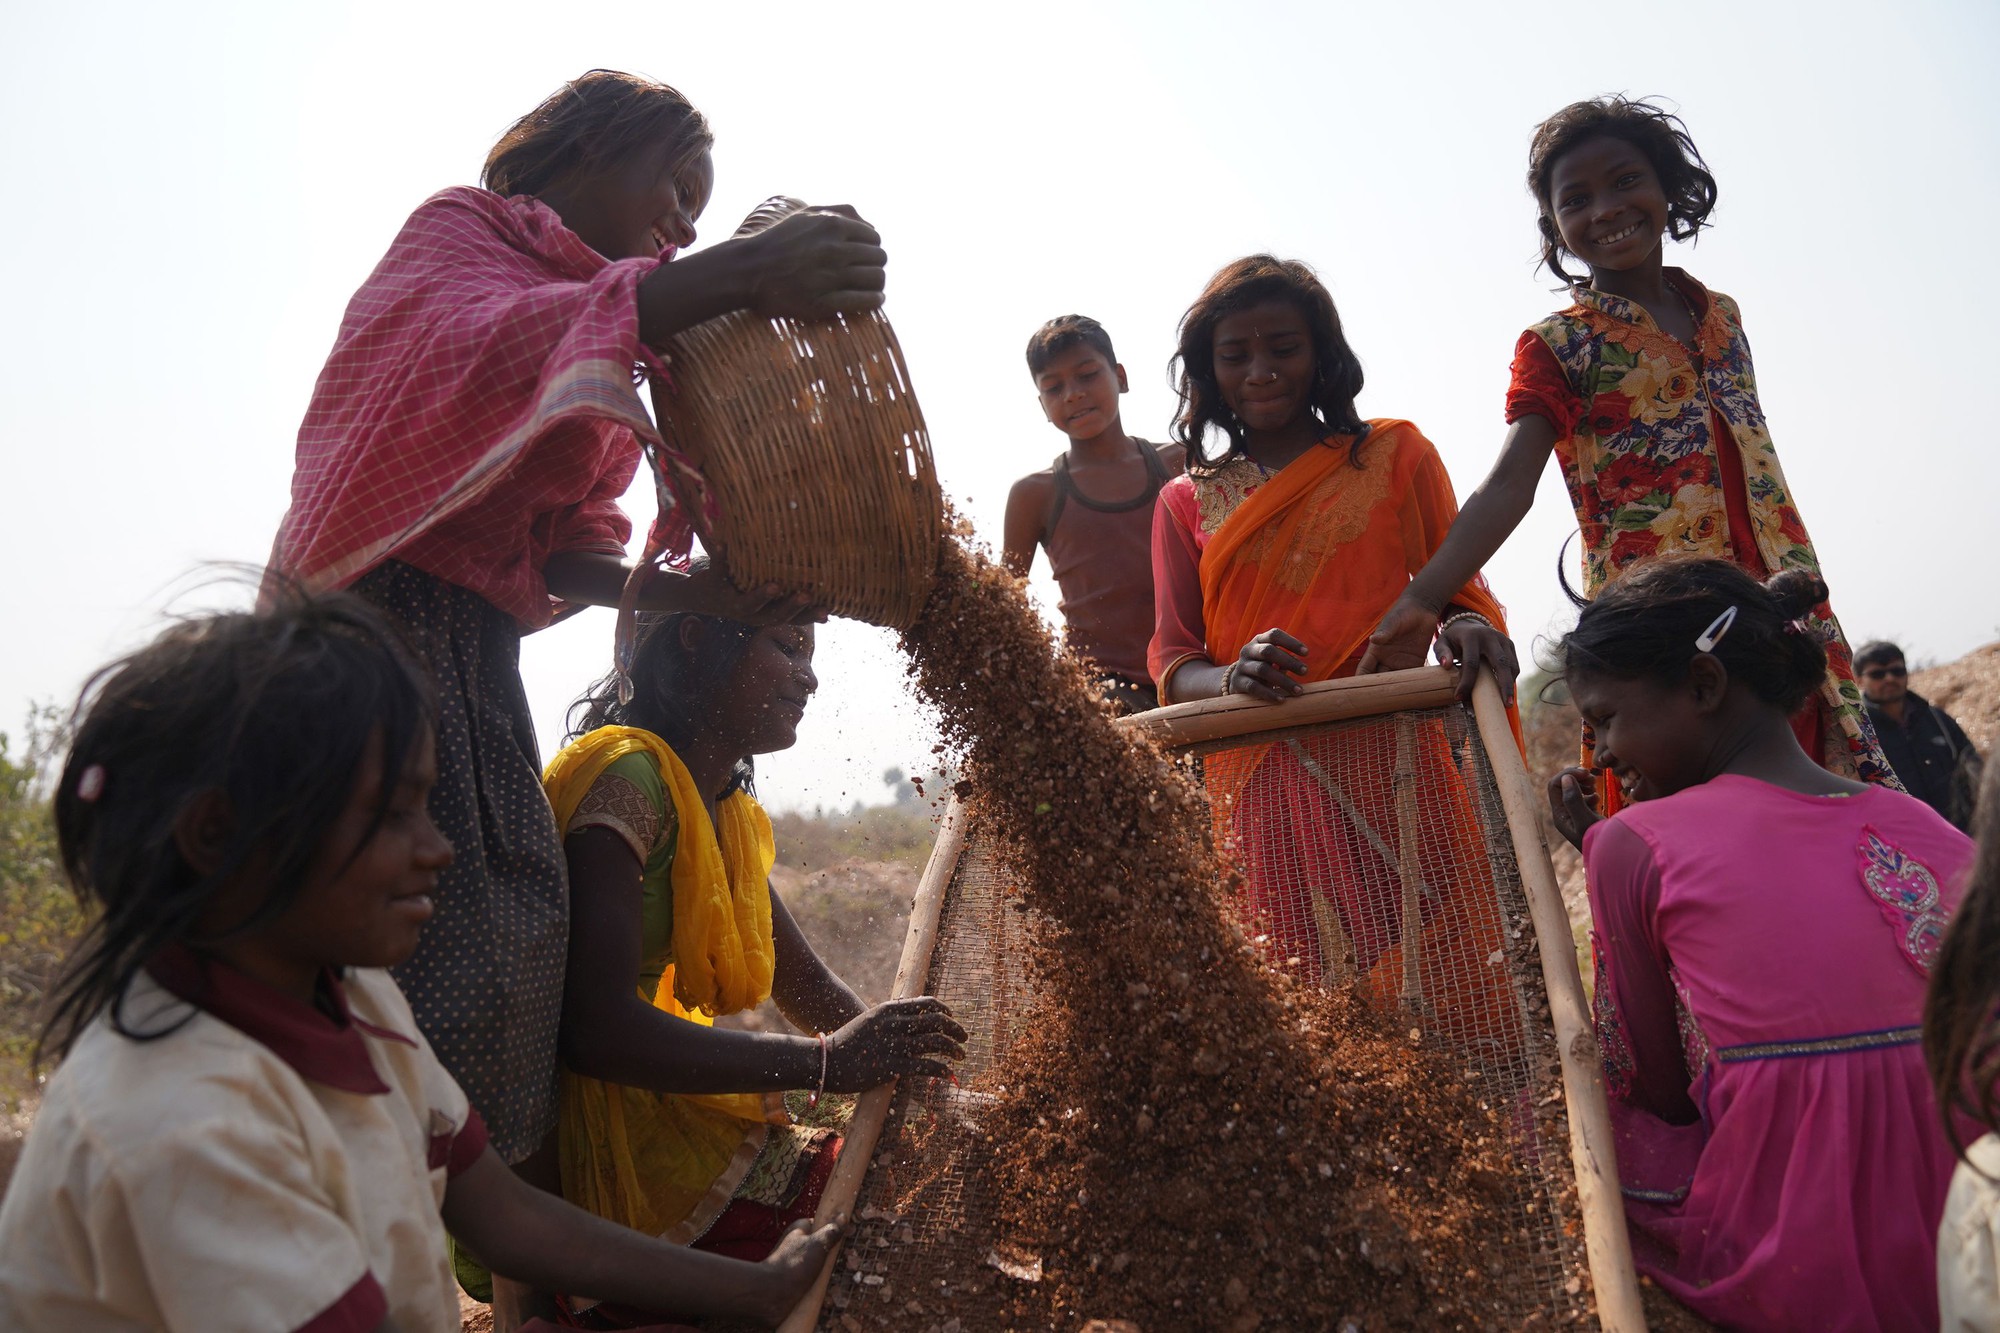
(630,798)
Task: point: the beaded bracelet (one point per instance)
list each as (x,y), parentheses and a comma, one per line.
(1457,616)
(1229,678)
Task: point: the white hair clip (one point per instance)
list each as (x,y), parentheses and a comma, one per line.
(1705,641)
(90,784)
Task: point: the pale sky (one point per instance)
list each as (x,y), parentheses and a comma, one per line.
(198,188)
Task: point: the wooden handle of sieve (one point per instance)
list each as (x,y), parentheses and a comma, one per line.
(872,1109)
(1322,701)
(1606,1242)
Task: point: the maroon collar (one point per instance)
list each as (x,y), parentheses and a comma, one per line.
(328,1050)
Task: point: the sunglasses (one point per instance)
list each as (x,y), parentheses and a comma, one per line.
(1877,673)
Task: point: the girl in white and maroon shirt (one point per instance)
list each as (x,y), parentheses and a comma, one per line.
(247,1131)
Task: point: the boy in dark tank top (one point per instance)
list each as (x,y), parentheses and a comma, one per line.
(1092,509)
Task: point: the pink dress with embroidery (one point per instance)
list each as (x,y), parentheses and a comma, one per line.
(1761,963)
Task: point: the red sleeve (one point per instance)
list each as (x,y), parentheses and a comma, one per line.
(361,1310)
(1638,1026)
(466,1145)
(1178,631)
(1539,387)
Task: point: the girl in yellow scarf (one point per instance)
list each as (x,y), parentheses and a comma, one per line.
(668,1124)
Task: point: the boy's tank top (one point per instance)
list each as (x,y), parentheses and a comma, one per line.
(1102,555)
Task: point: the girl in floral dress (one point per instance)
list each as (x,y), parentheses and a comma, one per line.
(1764,931)
(1644,390)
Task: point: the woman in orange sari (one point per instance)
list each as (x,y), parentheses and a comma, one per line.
(1272,563)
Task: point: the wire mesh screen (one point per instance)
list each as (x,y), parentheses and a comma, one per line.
(1374,854)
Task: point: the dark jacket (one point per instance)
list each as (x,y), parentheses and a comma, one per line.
(1925,749)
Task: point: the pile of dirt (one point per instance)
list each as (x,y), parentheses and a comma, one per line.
(1968,689)
(1185,1137)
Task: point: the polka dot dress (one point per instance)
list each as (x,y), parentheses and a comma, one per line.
(486,981)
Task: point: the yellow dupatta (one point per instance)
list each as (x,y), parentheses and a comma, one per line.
(668,1163)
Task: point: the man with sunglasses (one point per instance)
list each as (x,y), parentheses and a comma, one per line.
(1928,750)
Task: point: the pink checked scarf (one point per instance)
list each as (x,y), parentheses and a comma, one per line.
(487,324)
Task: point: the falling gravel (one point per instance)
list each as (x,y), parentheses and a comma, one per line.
(1184,1137)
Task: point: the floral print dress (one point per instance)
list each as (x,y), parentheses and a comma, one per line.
(1665,450)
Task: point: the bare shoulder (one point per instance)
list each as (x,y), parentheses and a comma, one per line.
(1173,454)
(1035,488)
(1027,513)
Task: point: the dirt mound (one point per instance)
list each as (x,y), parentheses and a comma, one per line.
(1968,689)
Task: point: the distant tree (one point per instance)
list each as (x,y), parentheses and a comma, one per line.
(901,789)
(39,917)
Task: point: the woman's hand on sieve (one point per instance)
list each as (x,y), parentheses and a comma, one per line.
(794,1266)
(893,1040)
(1268,667)
(1573,803)
(1470,645)
(814,264)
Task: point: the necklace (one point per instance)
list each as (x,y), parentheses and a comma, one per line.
(1694,320)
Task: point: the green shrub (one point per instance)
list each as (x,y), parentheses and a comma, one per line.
(39,917)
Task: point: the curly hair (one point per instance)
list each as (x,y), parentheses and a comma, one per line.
(1064,332)
(595,121)
(1237,287)
(1644,627)
(1654,131)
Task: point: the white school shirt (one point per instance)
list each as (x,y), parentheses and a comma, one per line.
(1969,1244)
(267,1167)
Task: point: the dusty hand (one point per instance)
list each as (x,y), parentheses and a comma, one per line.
(708,591)
(1268,666)
(1469,645)
(795,1264)
(1398,643)
(816,263)
(1573,804)
(893,1040)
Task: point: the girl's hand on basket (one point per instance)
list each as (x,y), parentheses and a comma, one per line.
(1266,667)
(1470,645)
(815,263)
(1573,803)
(893,1040)
(708,592)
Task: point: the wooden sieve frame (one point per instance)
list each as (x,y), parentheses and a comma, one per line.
(1607,1245)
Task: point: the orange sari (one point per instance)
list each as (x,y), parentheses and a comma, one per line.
(1364,860)
(1323,548)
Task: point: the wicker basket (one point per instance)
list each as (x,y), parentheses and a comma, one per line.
(813,453)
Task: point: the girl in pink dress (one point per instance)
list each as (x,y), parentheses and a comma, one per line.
(1764,930)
